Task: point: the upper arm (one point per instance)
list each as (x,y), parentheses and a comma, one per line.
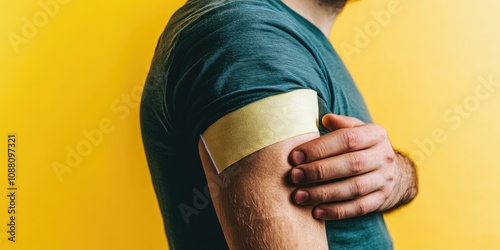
(245,159)
(252,201)
(227,69)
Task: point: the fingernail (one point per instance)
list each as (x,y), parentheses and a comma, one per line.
(297,157)
(297,175)
(319,213)
(301,197)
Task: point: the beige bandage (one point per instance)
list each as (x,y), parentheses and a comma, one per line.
(260,124)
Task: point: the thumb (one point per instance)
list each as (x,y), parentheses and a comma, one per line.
(334,122)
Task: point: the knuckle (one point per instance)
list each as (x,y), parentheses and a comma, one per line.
(318,195)
(390,155)
(339,212)
(351,140)
(389,174)
(363,207)
(356,162)
(319,171)
(324,195)
(315,152)
(386,193)
(359,187)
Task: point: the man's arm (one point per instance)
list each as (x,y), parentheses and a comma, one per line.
(354,171)
(252,201)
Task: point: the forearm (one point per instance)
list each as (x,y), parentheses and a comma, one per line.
(407,187)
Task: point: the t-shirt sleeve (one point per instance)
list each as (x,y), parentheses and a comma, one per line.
(235,58)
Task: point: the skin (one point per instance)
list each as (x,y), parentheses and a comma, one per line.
(351,171)
(251,199)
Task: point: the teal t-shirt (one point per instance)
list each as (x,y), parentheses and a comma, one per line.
(216,56)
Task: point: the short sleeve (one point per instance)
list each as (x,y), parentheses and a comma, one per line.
(237,56)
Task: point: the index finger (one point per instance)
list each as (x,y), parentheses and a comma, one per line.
(337,142)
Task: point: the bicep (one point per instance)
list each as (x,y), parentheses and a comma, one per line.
(252,200)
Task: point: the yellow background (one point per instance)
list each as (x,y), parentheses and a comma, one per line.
(80,67)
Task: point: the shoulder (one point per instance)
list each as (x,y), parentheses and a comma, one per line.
(232,53)
(241,34)
(219,15)
(237,26)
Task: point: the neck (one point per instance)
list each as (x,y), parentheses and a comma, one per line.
(321,13)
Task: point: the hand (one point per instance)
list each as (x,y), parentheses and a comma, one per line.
(351,171)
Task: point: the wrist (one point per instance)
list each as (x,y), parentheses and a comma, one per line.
(406,187)
(409,181)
